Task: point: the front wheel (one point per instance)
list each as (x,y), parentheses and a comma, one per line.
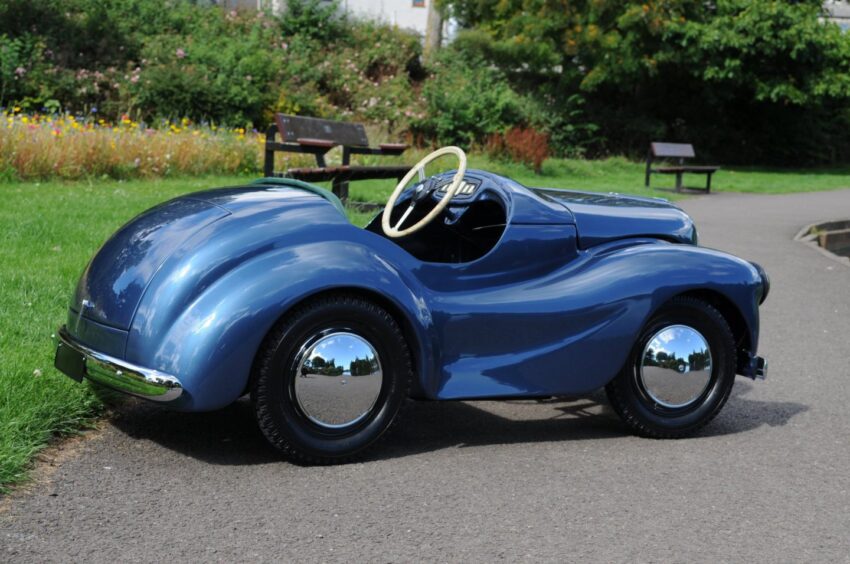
(680,372)
(330,379)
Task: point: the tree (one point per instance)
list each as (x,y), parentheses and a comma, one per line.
(747,80)
(433,31)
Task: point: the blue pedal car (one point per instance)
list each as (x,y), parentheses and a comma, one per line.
(468,286)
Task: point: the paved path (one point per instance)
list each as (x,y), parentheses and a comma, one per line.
(768,481)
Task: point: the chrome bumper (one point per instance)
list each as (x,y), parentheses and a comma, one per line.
(755,368)
(78,361)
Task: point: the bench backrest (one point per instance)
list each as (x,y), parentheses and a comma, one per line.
(672,150)
(293,128)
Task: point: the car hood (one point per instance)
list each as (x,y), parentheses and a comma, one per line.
(600,218)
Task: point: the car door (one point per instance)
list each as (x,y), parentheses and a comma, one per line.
(501,324)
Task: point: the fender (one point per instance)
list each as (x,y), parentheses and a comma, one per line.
(211,344)
(642,278)
(570,332)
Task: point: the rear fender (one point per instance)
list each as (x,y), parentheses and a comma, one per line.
(211,344)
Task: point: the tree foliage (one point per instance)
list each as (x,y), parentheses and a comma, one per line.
(734,76)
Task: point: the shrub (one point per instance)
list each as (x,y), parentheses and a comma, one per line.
(204,62)
(521,145)
(465,101)
(313,19)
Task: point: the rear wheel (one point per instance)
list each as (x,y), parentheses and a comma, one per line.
(330,379)
(680,372)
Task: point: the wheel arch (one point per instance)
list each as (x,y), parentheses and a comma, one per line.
(395,310)
(741,330)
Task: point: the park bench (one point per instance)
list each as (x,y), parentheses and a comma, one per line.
(677,152)
(299,134)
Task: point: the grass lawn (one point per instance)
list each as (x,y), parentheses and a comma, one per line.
(48,232)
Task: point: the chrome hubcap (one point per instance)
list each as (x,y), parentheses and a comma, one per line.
(338,379)
(676,366)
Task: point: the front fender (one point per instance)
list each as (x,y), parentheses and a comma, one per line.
(210,344)
(570,331)
(646,276)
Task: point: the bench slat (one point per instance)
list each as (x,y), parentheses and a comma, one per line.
(315,142)
(673,150)
(393,148)
(291,128)
(685,168)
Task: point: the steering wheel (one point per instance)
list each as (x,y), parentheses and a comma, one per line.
(422,192)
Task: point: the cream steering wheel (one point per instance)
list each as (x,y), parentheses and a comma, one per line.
(423,191)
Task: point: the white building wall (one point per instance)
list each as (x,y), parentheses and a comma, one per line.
(838,11)
(407,14)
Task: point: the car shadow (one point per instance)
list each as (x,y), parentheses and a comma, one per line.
(231,436)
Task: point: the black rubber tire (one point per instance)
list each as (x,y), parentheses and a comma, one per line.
(639,412)
(276,408)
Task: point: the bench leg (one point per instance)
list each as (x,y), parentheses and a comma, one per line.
(268,164)
(340,188)
(708,183)
(678,182)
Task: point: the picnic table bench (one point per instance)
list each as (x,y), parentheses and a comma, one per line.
(679,152)
(299,134)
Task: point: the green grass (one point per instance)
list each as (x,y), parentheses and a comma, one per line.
(48,232)
(626,177)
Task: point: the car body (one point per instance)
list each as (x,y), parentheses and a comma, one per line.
(546,298)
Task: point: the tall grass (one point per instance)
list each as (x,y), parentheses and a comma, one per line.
(44,147)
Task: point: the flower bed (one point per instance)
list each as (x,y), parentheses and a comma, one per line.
(41,147)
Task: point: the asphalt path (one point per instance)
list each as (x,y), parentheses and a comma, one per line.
(767,481)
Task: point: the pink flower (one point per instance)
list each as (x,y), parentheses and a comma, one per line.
(181,54)
(20,71)
(134,79)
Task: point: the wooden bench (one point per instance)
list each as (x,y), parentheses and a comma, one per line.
(299,134)
(679,152)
